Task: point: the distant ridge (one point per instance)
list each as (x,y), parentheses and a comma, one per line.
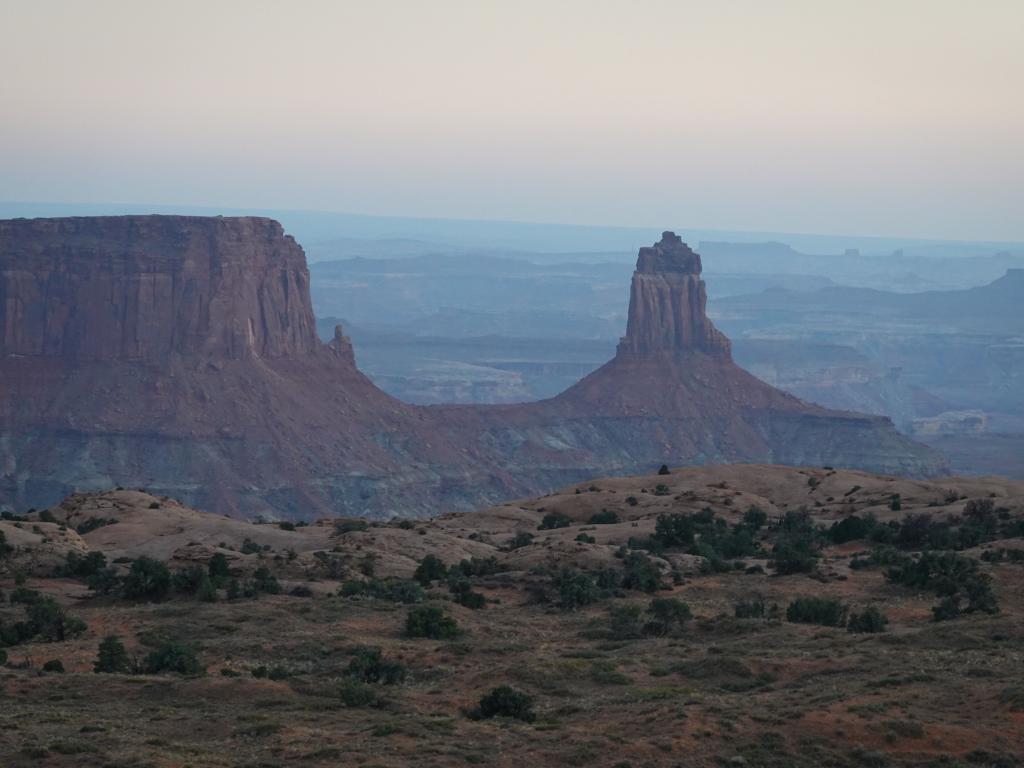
(179,354)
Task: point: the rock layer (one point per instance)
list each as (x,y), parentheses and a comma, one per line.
(152,287)
(178,354)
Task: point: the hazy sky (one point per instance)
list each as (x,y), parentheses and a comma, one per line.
(864,117)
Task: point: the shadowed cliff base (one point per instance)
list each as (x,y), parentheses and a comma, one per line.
(179,354)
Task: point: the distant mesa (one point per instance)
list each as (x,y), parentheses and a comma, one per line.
(179,354)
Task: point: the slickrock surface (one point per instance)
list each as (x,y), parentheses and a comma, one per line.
(178,354)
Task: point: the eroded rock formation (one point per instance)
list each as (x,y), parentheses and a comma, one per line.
(667,302)
(179,354)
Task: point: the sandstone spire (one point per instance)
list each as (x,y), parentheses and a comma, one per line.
(667,305)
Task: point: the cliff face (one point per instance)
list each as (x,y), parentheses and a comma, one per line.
(179,354)
(667,302)
(152,287)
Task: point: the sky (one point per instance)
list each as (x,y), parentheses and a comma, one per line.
(895,117)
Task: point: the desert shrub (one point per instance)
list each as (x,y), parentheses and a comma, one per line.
(187,580)
(462,589)
(674,530)
(607,579)
(174,657)
(585,539)
(430,621)
(104,582)
(349,525)
(54,665)
(521,539)
(431,568)
(870,620)
(625,622)
(5,548)
(300,590)
(25,596)
(51,623)
(663,470)
(641,573)
(264,581)
(369,666)
(234,589)
(286,525)
(479,566)
(949,575)
(554,520)
(754,607)
(356,694)
(82,567)
(668,615)
(796,547)
(206,592)
(148,579)
(604,517)
(895,503)
(505,701)
(632,501)
(661,490)
(112,657)
(852,528)
(218,567)
(755,518)
(823,611)
(250,547)
(576,590)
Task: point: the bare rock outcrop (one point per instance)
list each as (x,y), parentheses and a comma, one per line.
(667,303)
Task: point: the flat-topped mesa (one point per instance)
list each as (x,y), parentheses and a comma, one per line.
(152,287)
(667,303)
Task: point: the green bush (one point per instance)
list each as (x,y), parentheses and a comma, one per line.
(431,568)
(520,540)
(668,615)
(264,581)
(148,579)
(51,623)
(584,538)
(112,657)
(870,620)
(625,622)
(174,657)
(754,607)
(604,517)
(462,589)
(218,568)
(661,490)
(576,590)
(641,573)
(755,518)
(369,666)
(430,621)
(54,665)
(952,576)
(852,528)
(77,566)
(505,701)
(554,520)
(823,611)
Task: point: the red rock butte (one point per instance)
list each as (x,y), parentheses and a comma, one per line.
(179,354)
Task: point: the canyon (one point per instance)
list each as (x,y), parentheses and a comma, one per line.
(179,354)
